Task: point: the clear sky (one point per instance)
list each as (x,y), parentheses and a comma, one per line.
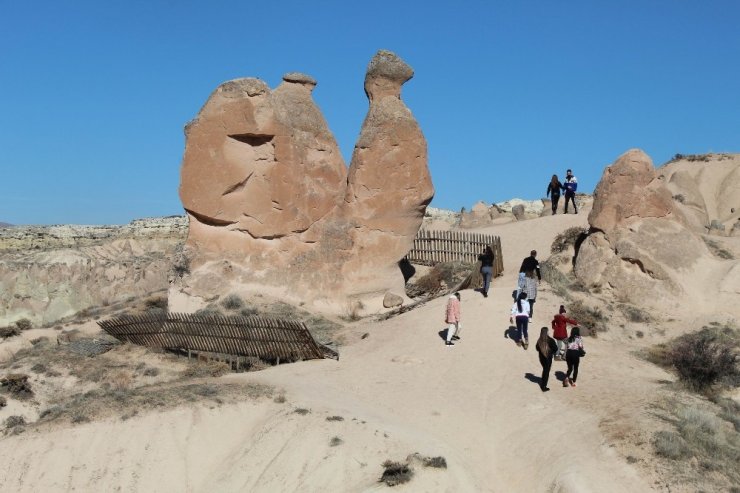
(94,94)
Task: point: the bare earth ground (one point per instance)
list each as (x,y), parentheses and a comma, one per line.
(398,391)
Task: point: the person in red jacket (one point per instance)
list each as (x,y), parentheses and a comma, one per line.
(560,331)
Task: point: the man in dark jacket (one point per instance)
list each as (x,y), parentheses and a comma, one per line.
(570,186)
(531,263)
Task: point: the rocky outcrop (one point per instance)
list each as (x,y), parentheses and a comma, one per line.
(271,202)
(641,245)
(48,273)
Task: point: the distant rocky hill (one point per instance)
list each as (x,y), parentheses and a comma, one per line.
(50,272)
(5,225)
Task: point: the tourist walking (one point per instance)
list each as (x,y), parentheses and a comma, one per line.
(570,186)
(486,269)
(530,287)
(531,263)
(573,356)
(520,314)
(546,349)
(452,318)
(553,191)
(560,331)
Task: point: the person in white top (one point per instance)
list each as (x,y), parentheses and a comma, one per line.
(520,313)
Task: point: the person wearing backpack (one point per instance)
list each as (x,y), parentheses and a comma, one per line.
(570,186)
(452,317)
(553,191)
(546,349)
(573,356)
(560,331)
(520,313)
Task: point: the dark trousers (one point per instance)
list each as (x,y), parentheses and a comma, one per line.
(531,308)
(572,198)
(555,199)
(522,324)
(546,365)
(572,357)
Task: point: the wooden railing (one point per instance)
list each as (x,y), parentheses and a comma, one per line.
(265,338)
(434,247)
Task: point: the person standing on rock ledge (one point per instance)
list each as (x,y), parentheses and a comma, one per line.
(570,187)
(553,191)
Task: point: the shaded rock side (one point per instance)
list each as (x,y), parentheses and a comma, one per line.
(271,202)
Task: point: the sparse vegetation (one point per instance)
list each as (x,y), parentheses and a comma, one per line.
(9,332)
(590,320)
(635,314)
(717,249)
(335,441)
(679,197)
(702,359)
(571,237)
(17,385)
(302,411)
(701,439)
(445,275)
(436,462)
(353,310)
(232,302)
(395,473)
(156,303)
(201,369)
(13,421)
(334,418)
(24,324)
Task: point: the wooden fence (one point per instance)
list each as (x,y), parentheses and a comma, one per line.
(433,247)
(233,336)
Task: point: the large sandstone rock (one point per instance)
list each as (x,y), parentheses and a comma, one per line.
(642,246)
(629,189)
(271,203)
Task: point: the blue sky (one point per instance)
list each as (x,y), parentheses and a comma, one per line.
(94,95)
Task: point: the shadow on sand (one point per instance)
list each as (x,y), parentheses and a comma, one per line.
(532,378)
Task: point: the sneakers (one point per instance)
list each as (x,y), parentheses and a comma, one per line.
(518,343)
(449,343)
(525,345)
(545,389)
(565,382)
(485,295)
(455,338)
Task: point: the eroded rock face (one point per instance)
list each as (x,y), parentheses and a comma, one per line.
(629,189)
(642,245)
(271,202)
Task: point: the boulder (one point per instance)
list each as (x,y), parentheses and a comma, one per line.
(271,203)
(391,300)
(518,211)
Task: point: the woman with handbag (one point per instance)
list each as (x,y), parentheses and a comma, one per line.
(546,347)
(573,356)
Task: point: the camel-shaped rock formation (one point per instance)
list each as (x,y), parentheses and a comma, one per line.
(273,207)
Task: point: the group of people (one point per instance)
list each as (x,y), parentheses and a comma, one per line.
(569,187)
(560,346)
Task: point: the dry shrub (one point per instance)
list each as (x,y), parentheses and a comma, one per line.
(444,274)
(201,369)
(24,324)
(395,473)
(634,314)
(17,385)
(571,237)
(335,441)
(156,303)
(13,421)
(670,445)
(705,358)
(717,249)
(590,320)
(121,380)
(3,401)
(334,418)
(9,331)
(232,302)
(302,411)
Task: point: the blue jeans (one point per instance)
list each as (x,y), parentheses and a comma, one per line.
(487,272)
(522,323)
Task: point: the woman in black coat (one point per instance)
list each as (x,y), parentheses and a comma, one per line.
(546,348)
(553,191)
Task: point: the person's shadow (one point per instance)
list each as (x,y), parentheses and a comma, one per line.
(510,333)
(560,375)
(443,334)
(532,378)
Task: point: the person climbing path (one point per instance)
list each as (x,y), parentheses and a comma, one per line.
(546,349)
(520,313)
(452,317)
(573,356)
(560,331)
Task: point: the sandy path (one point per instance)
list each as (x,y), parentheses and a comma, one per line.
(399,391)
